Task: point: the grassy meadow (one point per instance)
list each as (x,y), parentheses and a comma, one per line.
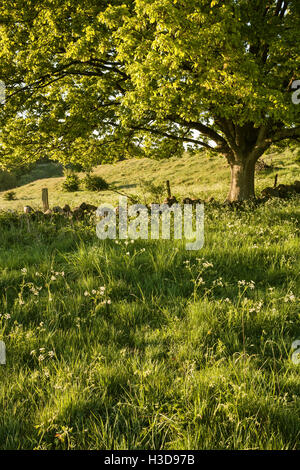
(192,175)
(144,345)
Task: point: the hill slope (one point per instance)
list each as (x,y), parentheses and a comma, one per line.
(118,344)
(196,175)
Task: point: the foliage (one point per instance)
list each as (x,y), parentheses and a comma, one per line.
(196,176)
(71,183)
(40,171)
(109,81)
(9,196)
(8,180)
(95,183)
(73,168)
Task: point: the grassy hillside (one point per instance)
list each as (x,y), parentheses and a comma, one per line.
(145,345)
(198,176)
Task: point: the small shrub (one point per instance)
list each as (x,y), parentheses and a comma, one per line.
(68,172)
(9,196)
(71,183)
(95,183)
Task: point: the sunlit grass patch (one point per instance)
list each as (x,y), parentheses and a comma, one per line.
(145,345)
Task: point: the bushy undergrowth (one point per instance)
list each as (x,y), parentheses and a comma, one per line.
(143,345)
(95,183)
(9,196)
(71,183)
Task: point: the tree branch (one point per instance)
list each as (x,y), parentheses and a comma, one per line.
(285,134)
(172,136)
(198,126)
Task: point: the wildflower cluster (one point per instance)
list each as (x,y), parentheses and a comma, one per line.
(98,294)
(41,354)
(246,285)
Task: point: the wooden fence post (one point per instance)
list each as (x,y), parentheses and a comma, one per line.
(168,188)
(45,199)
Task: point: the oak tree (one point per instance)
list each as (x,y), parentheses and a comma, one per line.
(87,81)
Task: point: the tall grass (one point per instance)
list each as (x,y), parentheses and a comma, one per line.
(147,346)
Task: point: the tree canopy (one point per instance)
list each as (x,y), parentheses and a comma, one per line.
(90,81)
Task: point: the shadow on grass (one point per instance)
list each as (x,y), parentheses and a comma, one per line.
(41,171)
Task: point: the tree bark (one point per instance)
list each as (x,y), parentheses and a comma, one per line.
(242,181)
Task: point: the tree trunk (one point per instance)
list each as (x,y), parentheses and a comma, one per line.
(242,181)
